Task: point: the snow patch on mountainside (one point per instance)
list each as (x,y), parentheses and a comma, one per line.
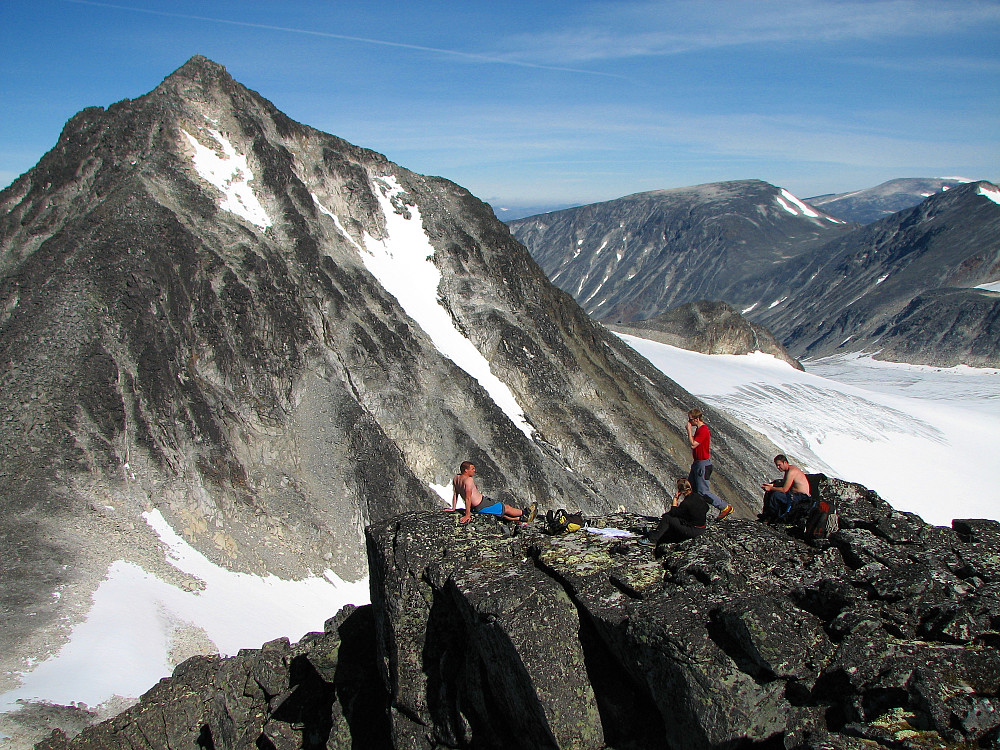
(922,437)
(402,264)
(232,175)
(796,207)
(137,621)
(991,193)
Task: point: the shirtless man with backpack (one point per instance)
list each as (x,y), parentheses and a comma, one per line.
(792,492)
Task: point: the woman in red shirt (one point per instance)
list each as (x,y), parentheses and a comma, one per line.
(701,469)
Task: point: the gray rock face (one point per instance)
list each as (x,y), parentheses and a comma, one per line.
(881,288)
(881,201)
(748,636)
(946,327)
(635,257)
(709,327)
(193,320)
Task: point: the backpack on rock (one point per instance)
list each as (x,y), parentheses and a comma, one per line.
(561,522)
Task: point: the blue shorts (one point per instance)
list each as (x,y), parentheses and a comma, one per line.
(494,509)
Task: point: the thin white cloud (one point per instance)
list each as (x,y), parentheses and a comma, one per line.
(940,65)
(583,154)
(578,133)
(470,56)
(629,30)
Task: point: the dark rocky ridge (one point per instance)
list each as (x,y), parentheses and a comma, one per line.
(257,384)
(945,327)
(636,257)
(902,280)
(746,637)
(709,327)
(881,201)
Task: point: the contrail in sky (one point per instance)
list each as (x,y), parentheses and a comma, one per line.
(345,37)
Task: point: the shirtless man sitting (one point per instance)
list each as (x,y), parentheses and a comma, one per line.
(793,490)
(465,486)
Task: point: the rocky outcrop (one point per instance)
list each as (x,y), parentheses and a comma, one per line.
(321,692)
(883,636)
(709,327)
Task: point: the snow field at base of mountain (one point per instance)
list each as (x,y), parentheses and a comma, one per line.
(924,438)
(139,625)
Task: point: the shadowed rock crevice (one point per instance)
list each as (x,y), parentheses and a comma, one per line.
(628,713)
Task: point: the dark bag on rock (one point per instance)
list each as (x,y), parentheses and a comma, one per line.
(823,519)
(561,522)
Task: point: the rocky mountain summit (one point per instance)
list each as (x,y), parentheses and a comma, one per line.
(709,327)
(749,636)
(273,338)
(636,257)
(881,201)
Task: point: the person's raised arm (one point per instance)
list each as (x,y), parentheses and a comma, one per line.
(691,432)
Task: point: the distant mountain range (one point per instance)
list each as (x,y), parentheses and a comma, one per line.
(866,206)
(638,256)
(903,286)
(507,212)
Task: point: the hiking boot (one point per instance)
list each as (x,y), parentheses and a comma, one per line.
(724,512)
(529,513)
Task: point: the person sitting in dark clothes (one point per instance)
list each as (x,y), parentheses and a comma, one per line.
(686,517)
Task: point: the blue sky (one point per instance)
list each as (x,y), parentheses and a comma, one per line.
(553,102)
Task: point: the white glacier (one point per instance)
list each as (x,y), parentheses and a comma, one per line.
(922,437)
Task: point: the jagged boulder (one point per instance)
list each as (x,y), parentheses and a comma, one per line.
(493,636)
(319,693)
